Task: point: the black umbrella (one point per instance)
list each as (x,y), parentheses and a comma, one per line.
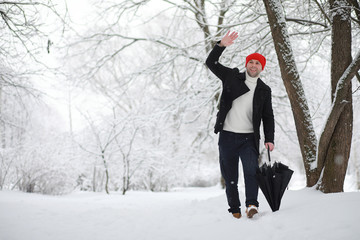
(273,181)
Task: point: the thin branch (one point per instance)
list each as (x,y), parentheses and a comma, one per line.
(356,8)
(322,11)
(305,22)
(358,78)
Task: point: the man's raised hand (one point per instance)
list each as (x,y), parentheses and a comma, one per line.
(228,39)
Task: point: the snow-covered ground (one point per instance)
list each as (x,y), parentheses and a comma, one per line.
(191,213)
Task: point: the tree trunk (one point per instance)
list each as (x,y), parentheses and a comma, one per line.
(106,172)
(94,180)
(337,152)
(289,73)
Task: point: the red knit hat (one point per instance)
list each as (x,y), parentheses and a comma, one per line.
(256,56)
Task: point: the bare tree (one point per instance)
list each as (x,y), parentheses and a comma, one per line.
(102,149)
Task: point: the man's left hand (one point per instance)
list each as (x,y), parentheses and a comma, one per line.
(269,146)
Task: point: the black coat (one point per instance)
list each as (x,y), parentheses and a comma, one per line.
(233,83)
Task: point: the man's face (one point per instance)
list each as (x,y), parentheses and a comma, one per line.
(253,68)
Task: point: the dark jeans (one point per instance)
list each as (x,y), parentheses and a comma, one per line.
(231,147)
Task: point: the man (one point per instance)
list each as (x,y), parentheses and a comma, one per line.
(245,102)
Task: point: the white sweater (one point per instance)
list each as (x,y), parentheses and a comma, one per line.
(239,118)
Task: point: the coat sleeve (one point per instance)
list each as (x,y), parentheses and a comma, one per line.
(268,119)
(213,64)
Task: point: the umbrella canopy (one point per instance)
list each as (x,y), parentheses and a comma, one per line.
(273,181)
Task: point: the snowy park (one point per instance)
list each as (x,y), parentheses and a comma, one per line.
(127,119)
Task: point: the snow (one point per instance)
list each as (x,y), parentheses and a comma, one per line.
(190,213)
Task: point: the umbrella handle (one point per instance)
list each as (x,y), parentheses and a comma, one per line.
(268,150)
